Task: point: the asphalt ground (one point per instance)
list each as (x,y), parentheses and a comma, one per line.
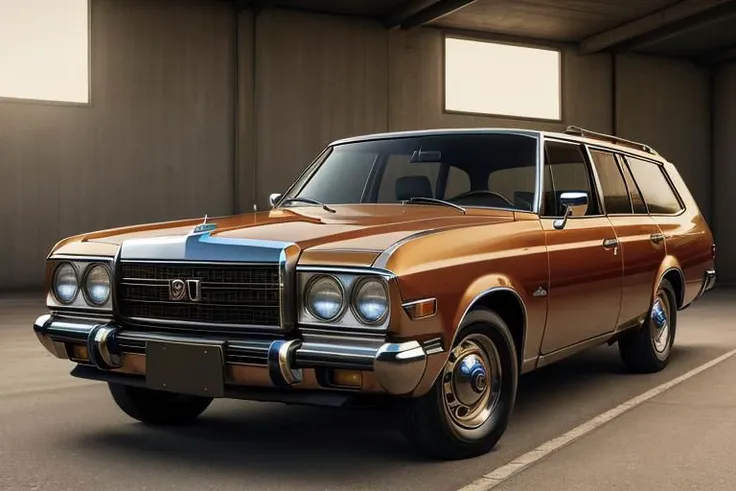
(59,433)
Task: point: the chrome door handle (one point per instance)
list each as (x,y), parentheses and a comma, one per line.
(610,243)
(656,238)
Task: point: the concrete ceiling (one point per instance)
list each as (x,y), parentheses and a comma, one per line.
(703,30)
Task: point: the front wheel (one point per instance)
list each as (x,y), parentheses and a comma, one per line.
(648,349)
(157,407)
(468,408)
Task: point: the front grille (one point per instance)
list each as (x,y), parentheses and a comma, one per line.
(232,294)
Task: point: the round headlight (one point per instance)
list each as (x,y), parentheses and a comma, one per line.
(324,298)
(97,285)
(370,301)
(66,285)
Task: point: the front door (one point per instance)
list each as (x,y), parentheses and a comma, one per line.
(585,262)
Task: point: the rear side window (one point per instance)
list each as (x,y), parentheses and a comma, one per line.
(640,208)
(655,187)
(615,194)
(566,170)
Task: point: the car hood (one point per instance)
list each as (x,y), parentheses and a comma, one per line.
(367,228)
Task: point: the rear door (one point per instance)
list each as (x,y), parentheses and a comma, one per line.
(640,239)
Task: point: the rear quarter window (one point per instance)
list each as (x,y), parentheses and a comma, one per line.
(656,189)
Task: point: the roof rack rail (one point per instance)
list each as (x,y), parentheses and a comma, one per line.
(577,130)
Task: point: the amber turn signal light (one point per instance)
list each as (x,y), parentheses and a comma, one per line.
(79,352)
(347,378)
(421,308)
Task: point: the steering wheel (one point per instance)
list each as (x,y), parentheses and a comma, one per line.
(483,192)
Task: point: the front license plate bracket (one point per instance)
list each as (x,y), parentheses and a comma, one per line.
(186,367)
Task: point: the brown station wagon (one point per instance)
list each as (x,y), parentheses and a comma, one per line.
(426,269)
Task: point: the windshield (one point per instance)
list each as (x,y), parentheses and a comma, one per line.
(471,170)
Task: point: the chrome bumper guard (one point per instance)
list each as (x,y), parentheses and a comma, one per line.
(399,367)
(709,282)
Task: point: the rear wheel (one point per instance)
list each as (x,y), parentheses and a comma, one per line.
(648,349)
(157,407)
(467,410)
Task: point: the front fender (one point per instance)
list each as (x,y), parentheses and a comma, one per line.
(533,313)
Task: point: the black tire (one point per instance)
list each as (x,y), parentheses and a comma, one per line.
(640,352)
(157,407)
(428,424)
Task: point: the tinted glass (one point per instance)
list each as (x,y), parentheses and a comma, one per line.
(457,168)
(516,185)
(655,188)
(615,195)
(636,199)
(566,170)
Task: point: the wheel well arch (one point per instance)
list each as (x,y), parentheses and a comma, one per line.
(677,279)
(508,304)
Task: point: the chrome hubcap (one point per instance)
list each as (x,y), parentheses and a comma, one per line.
(472,381)
(660,324)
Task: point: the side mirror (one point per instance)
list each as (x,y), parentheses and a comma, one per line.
(575,203)
(274,198)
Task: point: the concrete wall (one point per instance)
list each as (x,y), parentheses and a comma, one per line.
(334,77)
(155,143)
(724,170)
(167,103)
(666,103)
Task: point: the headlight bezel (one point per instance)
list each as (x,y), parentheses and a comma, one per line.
(349,320)
(82,266)
(85,277)
(54,277)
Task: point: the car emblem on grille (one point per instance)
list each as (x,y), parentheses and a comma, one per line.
(180,289)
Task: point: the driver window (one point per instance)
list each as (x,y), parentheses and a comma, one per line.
(566,170)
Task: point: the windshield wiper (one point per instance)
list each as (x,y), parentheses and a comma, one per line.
(425,199)
(311,201)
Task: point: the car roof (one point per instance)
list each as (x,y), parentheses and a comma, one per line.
(573,133)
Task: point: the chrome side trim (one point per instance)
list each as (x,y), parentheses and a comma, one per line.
(558,355)
(72,257)
(348,270)
(382,259)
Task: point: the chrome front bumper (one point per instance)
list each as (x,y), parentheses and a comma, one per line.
(398,367)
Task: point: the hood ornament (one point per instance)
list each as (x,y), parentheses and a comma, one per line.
(204,226)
